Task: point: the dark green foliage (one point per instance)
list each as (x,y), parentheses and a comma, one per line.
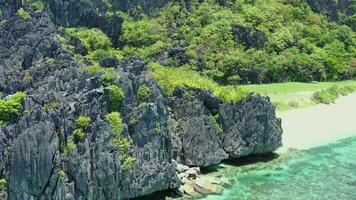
(12,106)
(116,95)
(144,94)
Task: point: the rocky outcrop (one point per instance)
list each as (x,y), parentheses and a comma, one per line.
(192,127)
(98,14)
(205,131)
(340,11)
(249,37)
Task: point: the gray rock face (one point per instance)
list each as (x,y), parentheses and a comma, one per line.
(335,10)
(93,13)
(329,7)
(249,37)
(192,127)
(205,132)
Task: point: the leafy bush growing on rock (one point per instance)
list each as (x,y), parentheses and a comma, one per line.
(52,105)
(115,95)
(12,106)
(78,134)
(83,121)
(23,14)
(99,45)
(69,147)
(217,126)
(144,94)
(115,122)
(171,78)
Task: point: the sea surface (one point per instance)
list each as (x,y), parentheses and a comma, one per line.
(322,173)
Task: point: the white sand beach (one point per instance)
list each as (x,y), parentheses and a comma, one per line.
(313,126)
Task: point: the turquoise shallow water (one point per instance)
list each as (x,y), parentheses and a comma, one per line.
(322,173)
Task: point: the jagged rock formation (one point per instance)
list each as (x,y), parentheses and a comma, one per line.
(94,13)
(205,131)
(335,10)
(249,37)
(192,126)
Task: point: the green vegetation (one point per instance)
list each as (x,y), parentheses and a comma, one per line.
(329,96)
(158,129)
(23,14)
(61,173)
(78,134)
(3,182)
(115,122)
(171,78)
(83,121)
(294,95)
(128,162)
(144,94)
(115,95)
(52,105)
(99,46)
(37,6)
(12,106)
(296,44)
(108,76)
(123,144)
(217,126)
(71,146)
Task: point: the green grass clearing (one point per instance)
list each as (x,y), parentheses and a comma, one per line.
(293,94)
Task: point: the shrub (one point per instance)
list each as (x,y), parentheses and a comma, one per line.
(324,97)
(93,39)
(61,173)
(123,144)
(12,106)
(171,78)
(70,146)
(78,134)
(108,76)
(330,95)
(52,105)
(23,14)
(3,182)
(93,69)
(115,122)
(115,95)
(217,126)
(144,94)
(83,121)
(158,128)
(128,162)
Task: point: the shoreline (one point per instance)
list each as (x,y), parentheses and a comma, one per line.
(318,125)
